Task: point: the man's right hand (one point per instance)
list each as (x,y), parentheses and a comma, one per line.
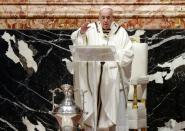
(84,27)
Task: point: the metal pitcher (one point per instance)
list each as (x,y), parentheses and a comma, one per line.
(68,113)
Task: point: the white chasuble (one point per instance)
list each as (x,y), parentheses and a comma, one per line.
(110,78)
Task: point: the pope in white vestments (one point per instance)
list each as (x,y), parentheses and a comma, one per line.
(112,81)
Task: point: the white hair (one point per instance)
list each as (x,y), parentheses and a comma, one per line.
(106,7)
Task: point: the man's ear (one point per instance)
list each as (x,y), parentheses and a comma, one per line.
(113,17)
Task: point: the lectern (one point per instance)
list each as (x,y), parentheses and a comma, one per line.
(92,55)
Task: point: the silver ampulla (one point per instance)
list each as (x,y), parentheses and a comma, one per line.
(68,105)
(68,113)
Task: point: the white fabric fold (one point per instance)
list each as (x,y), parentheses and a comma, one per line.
(111,81)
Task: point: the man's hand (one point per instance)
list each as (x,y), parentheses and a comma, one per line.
(84,27)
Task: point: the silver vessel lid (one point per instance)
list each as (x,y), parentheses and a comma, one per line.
(68,106)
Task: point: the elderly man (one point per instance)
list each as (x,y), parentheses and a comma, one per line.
(112,77)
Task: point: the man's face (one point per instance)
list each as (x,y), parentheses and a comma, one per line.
(106,18)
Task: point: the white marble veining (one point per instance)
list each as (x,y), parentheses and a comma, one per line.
(31,127)
(172,64)
(28,54)
(23,50)
(8,124)
(10,53)
(177,37)
(173,125)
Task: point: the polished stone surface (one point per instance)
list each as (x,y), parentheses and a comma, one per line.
(33,62)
